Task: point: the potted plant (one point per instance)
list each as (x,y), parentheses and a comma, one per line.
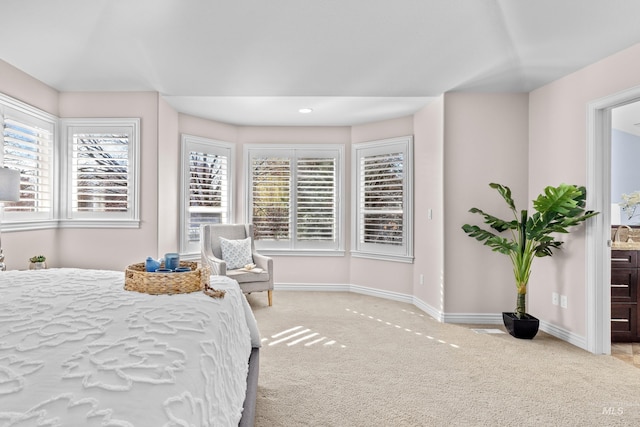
(530,236)
(38,262)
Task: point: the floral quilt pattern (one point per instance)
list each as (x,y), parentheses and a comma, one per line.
(76,349)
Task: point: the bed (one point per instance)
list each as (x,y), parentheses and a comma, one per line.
(76,349)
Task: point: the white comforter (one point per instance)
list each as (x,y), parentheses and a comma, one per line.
(76,349)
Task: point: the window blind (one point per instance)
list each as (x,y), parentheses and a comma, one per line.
(383,199)
(294,194)
(381,204)
(271,194)
(208,191)
(206,187)
(28,149)
(316,199)
(100,172)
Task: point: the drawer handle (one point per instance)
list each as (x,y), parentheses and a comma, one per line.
(619,286)
(620,320)
(620,259)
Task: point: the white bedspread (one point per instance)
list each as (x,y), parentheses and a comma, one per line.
(76,349)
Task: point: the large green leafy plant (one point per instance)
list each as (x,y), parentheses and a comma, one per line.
(557,209)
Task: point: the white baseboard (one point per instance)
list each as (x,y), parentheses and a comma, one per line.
(440,316)
(329,287)
(474,318)
(430,310)
(564,335)
(395,296)
(317,287)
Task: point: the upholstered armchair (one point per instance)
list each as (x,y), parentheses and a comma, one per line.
(227,249)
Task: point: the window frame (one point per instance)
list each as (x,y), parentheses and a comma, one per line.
(19,221)
(187,144)
(128,219)
(294,151)
(360,249)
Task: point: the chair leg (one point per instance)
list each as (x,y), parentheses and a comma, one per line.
(270,296)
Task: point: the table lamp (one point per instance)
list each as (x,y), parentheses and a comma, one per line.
(9,192)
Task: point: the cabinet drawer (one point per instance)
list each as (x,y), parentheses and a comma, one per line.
(624,259)
(624,285)
(624,322)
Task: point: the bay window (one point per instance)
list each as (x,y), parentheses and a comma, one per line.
(28,137)
(382,186)
(206,188)
(294,194)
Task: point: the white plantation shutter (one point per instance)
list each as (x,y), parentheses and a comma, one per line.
(28,148)
(271,195)
(101,158)
(294,197)
(316,199)
(208,191)
(206,185)
(100,172)
(383,200)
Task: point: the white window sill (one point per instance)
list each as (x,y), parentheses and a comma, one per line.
(299,252)
(383,257)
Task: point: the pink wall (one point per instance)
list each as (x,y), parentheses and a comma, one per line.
(204,128)
(428,129)
(20,246)
(22,86)
(168,180)
(89,247)
(382,275)
(117,248)
(160,133)
(485,140)
(298,270)
(557,153)
(463,141)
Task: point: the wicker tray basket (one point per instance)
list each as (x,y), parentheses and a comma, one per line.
(139,280)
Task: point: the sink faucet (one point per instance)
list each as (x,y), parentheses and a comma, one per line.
(616,237)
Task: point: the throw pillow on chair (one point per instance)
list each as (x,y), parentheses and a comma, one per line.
(236,253)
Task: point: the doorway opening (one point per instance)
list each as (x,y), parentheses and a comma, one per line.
(625,231)
(598,233)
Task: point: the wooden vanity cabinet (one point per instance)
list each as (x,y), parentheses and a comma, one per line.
(624,296)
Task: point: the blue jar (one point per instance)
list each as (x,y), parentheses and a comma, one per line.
(171,261)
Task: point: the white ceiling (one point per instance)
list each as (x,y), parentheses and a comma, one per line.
(255,62)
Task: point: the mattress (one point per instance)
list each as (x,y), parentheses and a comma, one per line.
(76,349)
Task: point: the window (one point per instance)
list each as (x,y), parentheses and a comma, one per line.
(206,188)
(294,198)
(28,141)
(383,199)
(102,172)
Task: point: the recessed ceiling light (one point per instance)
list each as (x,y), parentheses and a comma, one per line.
(305,110)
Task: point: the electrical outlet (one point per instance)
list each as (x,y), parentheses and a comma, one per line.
(422,279)
(563,301)
(555,298)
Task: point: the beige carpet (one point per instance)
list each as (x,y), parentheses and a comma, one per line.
(344,359)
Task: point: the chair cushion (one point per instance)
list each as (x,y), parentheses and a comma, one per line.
(244,276)
(236,253)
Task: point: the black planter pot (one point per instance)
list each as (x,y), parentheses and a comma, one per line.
(525,328)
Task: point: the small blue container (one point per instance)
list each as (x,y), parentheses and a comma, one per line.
(171,261)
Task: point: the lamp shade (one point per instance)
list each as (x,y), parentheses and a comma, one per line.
(9,185)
